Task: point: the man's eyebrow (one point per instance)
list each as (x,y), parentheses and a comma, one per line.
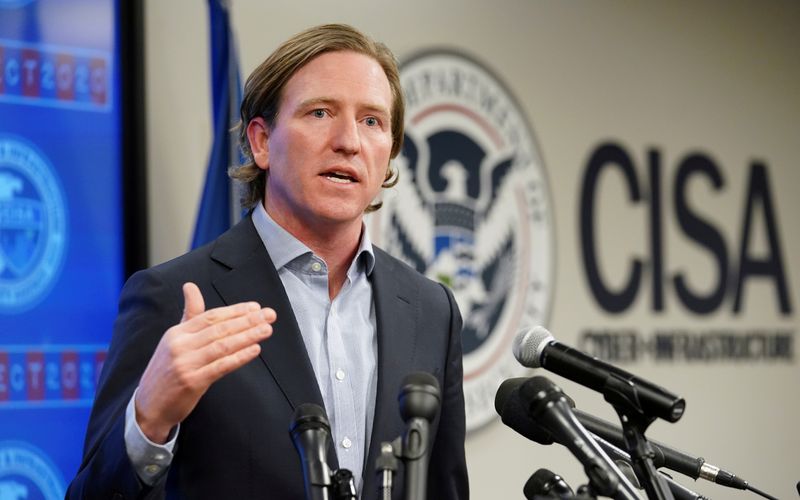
(378,109)
(316,101)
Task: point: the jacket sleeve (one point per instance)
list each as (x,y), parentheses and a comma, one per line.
(148,307)
(447,477)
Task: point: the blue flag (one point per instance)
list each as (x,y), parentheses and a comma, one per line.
(217,212)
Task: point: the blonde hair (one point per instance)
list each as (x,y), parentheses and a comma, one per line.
(264,89)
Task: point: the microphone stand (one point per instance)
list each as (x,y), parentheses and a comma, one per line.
(386,467)
(679,491)
(634,424)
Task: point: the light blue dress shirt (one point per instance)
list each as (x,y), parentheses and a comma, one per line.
(340,335)
(340,338)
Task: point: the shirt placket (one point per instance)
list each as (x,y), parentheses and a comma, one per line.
(346,431)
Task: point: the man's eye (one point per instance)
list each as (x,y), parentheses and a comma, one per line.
(318,113)
(371,121)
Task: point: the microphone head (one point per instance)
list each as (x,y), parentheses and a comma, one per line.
(510,389)
(514,414)
(529,345)
(545,483)
(505,391)
(309,416)
(419,397)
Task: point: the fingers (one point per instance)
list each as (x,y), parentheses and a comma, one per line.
(232,343)
(219,315)
(231,326)
(193,304)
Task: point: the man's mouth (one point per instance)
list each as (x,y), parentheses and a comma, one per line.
(340,177)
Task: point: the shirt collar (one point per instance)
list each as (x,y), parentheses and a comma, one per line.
(283,247)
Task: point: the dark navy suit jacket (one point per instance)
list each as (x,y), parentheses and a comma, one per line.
(235,444)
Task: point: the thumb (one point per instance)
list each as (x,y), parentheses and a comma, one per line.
(193,303)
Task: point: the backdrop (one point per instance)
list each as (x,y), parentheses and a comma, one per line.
(664,141)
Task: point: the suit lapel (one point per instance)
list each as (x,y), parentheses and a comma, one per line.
(252,277)
(396,307)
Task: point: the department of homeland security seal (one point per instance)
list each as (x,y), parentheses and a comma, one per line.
(26,472)
(472,210)
(33,226)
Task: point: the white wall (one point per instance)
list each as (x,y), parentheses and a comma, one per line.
(718,77)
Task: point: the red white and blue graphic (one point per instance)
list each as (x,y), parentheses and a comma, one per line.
(472,210)
(61,232)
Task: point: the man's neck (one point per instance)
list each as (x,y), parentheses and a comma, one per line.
(336,244)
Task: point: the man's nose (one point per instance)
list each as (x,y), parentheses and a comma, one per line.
(344,137)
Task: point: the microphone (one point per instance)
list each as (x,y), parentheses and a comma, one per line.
(536,347)
(545,483)
(678,461)
(547,405)
(311,435)
(419,404)
(514,414)
(344,486)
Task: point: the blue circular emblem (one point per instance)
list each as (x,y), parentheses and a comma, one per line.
(472,210)
(27,473)
(33,225)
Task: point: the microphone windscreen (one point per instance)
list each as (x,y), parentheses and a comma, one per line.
(309,416)
(514,414)
(504,392)
(529,345)
(546,484)
(419,396)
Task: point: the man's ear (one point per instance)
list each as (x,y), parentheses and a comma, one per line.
(258,135)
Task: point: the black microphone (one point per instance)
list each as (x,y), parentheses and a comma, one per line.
(311,435)
(419,404)
(545,483)
(678,461)
(514,414)
(535,347)
(547,405)
(344,486)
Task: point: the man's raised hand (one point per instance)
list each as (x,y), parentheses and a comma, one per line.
(192,355)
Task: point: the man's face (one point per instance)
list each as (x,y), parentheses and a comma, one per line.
(328,150)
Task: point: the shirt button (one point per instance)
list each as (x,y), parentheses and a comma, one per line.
(159,456)
(316,266)
(339,374)
(346,443)
(151,469)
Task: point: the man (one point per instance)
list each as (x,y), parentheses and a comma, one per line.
(202,379)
